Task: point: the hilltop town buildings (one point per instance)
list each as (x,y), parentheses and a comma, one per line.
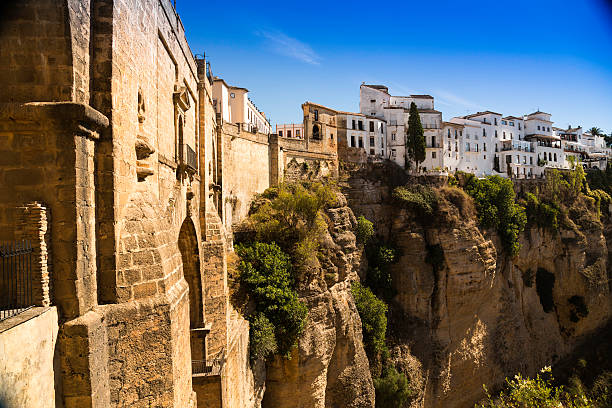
(483,143)
(233,105)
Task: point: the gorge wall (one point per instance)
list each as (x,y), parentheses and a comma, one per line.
(478,315)
(329,367)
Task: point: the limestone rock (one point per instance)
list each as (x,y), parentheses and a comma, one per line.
(329,368)
(481,316)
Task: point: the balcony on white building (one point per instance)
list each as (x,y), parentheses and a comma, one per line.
(517,145)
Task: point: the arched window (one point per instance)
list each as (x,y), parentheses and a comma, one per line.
(315,132)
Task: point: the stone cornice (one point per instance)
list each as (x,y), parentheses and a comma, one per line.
(78,117)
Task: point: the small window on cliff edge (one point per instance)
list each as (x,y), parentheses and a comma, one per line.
(315,132)
(316,114)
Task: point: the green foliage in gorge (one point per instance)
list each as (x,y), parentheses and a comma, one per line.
(261,337)
(380,257)
(542,214)
(292,216)
(421,199)
(538,392)
(495,202)
(364,230)
(373,314)
(392,389)
(266,273)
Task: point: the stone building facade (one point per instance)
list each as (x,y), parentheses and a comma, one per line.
(119,170)
(109,135)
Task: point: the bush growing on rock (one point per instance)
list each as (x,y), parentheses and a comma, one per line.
(495,202)
(291,215)
(542,214)
(364,230)
(373,314)
(421,199)
(536,392)
(378,278)
(266,273)
(392,389)
(261,337)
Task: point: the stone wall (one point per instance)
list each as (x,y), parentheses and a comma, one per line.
(47,151)
(27,359)
(246,170)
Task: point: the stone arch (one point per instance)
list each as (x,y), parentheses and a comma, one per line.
(190,255)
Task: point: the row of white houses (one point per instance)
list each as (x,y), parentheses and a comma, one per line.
(482,143)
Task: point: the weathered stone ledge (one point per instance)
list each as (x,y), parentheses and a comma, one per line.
(82,116)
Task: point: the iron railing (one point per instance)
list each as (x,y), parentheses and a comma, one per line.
(16,278)
(208,367)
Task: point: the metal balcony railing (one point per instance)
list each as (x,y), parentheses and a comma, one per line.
(208,367)
(15,278)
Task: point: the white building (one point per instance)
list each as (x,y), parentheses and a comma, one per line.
(232,103)
(365,132)
(483,143)
(375,101)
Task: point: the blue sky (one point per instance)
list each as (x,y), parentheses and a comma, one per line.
(509,57)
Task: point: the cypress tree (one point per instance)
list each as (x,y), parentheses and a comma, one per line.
(415,139)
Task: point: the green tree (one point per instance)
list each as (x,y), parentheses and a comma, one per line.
(262,338)
(495,201)
(364,229)
(415,140)
(392,389)
(535,393)
(266,273)
(373,314)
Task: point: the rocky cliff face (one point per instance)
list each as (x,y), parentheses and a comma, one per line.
(329,368)
(478,316)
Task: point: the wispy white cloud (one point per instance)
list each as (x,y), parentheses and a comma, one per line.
(282,44)
(447,98)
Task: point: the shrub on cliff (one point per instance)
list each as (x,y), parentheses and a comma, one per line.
(378,278)
(373,314)
(392,389)
(602,200)
(364,229)
(266,273)
(601,180)
(291,215)
(495,202)
(542,214)
(419,198)
(261,337)
(537,392)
